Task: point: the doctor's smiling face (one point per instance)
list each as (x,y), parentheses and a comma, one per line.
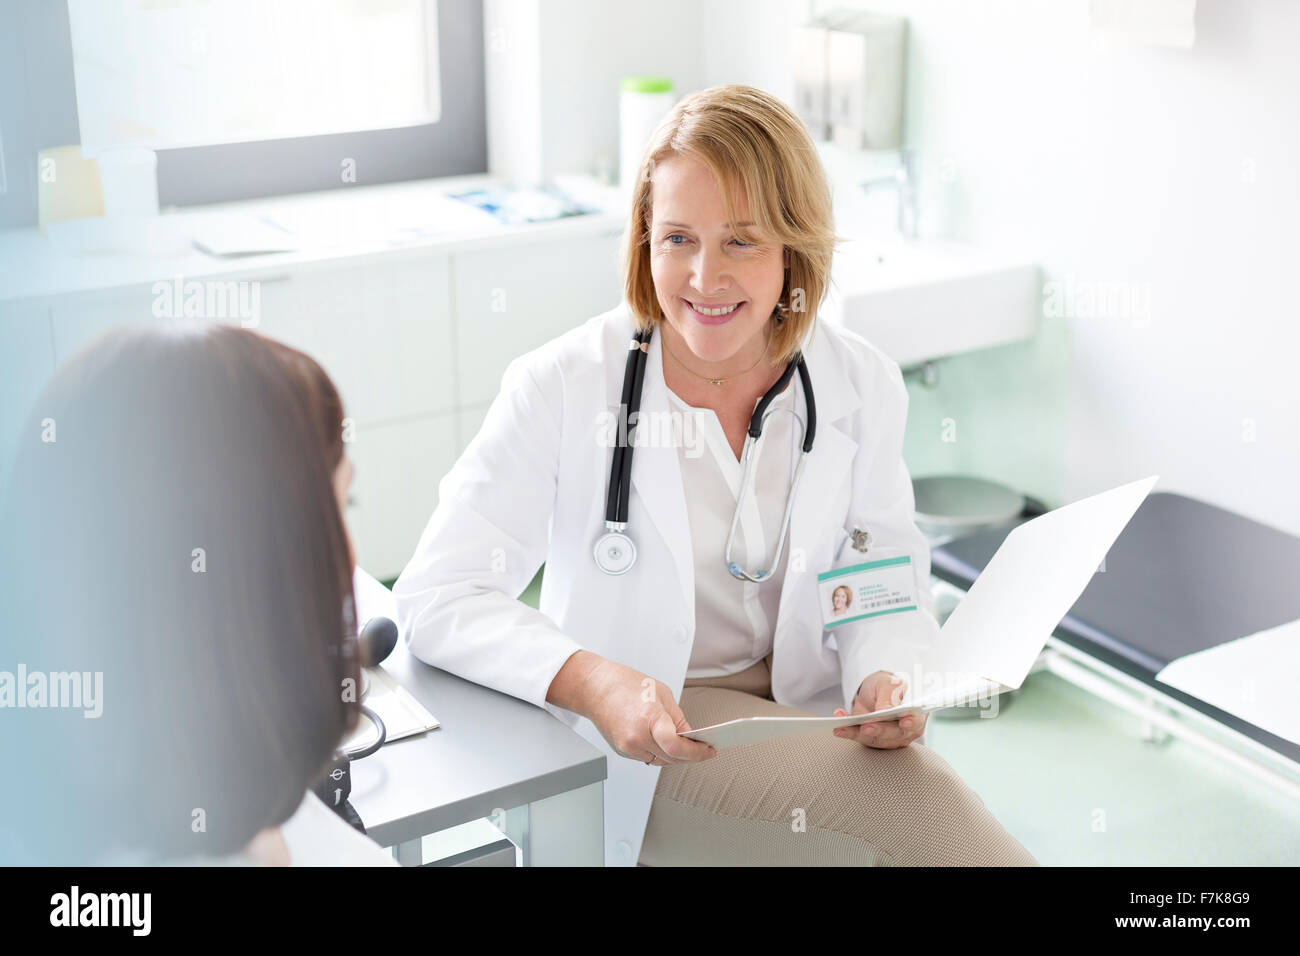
(717,289)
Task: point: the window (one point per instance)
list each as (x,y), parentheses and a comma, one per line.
(247,98)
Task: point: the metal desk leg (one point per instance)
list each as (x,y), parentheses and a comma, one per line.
(567,829)
(409,853)
(1152,733)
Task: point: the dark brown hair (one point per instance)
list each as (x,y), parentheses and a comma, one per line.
(180,534)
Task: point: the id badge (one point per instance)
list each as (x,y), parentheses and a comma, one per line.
(883,585)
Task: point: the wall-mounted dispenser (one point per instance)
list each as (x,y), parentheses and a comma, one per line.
(849,78)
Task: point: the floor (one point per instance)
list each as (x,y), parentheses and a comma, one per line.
(1071,777)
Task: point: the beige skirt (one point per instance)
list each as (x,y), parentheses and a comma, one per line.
(813,801)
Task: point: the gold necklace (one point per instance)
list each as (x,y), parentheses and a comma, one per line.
(719,381)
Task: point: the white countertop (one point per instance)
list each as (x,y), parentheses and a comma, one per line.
(410,218)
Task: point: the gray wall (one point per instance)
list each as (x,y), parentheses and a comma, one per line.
(38,100)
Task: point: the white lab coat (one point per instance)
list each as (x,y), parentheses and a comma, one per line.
(530,488)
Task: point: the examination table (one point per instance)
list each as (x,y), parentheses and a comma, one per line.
(1183,576)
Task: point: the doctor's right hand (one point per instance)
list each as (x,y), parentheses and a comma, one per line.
(635,713)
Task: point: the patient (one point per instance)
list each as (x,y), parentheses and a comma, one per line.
(175,549)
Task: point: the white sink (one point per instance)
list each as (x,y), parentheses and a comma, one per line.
(927,299)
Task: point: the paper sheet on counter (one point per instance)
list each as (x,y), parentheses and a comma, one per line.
(402,714)
(231,235)
(1252,678)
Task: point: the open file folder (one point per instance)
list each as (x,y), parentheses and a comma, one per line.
(995,634)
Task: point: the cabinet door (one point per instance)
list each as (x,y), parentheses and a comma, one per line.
(382,330)
(511,299)
(26,361)
(395,487)
(80,318)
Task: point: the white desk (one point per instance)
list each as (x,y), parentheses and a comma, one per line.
(492,756)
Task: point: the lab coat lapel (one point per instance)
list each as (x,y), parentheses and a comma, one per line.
(657,472)
(657,476)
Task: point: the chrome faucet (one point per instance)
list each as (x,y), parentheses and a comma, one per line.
(903,182)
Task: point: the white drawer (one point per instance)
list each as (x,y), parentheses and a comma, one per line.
(381,330)
(26,361)
(80,318)
(395,487)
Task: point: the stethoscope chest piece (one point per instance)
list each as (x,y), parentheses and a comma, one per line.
(615,553)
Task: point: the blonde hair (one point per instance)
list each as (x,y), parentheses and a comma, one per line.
(750,139)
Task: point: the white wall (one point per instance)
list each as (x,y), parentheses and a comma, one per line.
(512,67)
(554,69)
(1172,170)
(587,49)
(1165,175)
(751,42)
(1138,169)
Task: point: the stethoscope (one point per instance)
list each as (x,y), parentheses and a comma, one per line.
(614,552)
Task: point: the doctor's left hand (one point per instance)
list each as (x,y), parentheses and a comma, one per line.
(882,689)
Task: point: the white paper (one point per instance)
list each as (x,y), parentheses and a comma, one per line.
(1001,625)
(996,633)
(1252,678)
(402,714)
(231,234)
(752,730)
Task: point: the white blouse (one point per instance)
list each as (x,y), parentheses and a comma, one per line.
(734,618)
(317,836)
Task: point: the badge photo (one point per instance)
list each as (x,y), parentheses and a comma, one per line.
(884,585)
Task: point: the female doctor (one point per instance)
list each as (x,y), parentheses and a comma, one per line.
(679,591)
